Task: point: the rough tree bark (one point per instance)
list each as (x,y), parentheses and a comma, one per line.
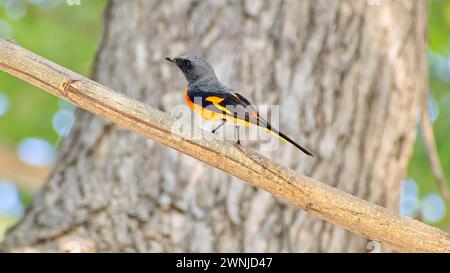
(348,75)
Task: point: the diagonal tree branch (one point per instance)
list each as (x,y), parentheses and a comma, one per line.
(431,147)
(330,204)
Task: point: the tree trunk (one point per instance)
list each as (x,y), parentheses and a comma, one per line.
(348,77)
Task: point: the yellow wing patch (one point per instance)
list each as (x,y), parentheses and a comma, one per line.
(216,102)
(214,99)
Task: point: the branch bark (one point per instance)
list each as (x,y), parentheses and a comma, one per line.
(330,204)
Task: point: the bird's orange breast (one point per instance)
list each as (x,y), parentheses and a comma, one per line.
(188,100)
(203,112)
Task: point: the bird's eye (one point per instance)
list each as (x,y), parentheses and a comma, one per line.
(188,64)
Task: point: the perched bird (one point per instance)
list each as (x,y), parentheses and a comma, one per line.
(213,100)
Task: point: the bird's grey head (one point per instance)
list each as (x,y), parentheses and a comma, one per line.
(194,68)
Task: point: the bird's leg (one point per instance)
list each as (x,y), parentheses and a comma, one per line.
(218,127)
(238,142)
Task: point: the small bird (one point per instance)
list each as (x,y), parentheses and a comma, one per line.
(213,100)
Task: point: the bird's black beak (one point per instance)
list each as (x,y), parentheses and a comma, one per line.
(172,60)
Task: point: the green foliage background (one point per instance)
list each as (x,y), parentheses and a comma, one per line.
(439,86)
(69,36)
(66,34)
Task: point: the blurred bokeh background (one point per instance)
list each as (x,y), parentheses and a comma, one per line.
(33,124)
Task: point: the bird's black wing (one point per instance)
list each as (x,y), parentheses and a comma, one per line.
(231,104)
(237,108)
